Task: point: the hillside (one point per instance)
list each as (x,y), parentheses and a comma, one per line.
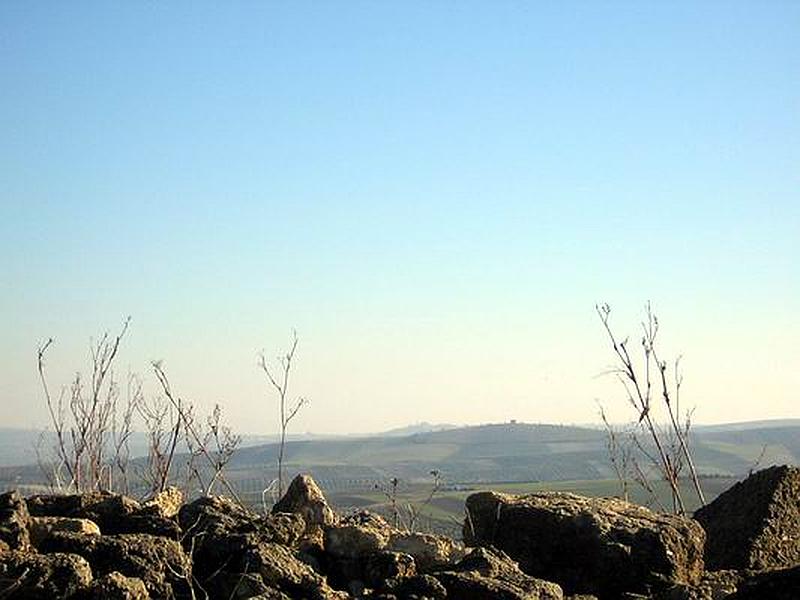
(497,453)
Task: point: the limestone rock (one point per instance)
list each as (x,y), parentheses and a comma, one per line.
(113,513)
(715,585)
(279,568)
(487,573)
(305,498)
(756,523)
(385,566)
(357,535)
(421,586)
(166,503)
(781,584)
(602,546)
(14,521)
(159,562)
(217,516)
(42,528)
(429,550)
(29,576)
(115,586)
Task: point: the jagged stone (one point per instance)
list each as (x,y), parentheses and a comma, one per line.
(429,551)
(280,568)
(166,503)
(42,528)
(246,586)
(115,586)
(217,516)
(29,576)
(357,535)
(756,523)
(715,585)
(419,587)
(159,562)
(384,567)
(494,574)
(602,546)
(113,513)
(781,584)
(14,518)
(306,498)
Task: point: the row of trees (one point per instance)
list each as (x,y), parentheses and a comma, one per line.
(94,416)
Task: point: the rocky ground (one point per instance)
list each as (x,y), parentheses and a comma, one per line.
(548,546)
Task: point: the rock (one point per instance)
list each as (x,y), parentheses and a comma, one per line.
(781,584)
(107,510)
(29,576)
(115,586)
(715,585)
(602,546)
(219,533)
(420,586)
(113,513)
(488,573)
(14,521)
(279,568)
(42,528)
(159,562)
(250,553)
(305,498)
(357,535)
(384,566)
(217,516)
(429,550)
(165,503)
(248,586)
(756,523)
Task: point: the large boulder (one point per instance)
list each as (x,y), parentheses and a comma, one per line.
(159,562)
(488,573)
(29,576)
(306,498)
(602,546)
(756,523)
(14,521)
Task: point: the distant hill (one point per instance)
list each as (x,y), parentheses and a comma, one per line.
(496,453)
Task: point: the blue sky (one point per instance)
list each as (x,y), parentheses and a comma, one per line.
(434,194)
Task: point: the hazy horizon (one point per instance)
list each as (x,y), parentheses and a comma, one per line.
(434,195)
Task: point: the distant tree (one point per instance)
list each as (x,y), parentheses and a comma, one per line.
(649,383)
(279,381)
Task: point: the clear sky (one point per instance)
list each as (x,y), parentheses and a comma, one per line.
(434,194)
